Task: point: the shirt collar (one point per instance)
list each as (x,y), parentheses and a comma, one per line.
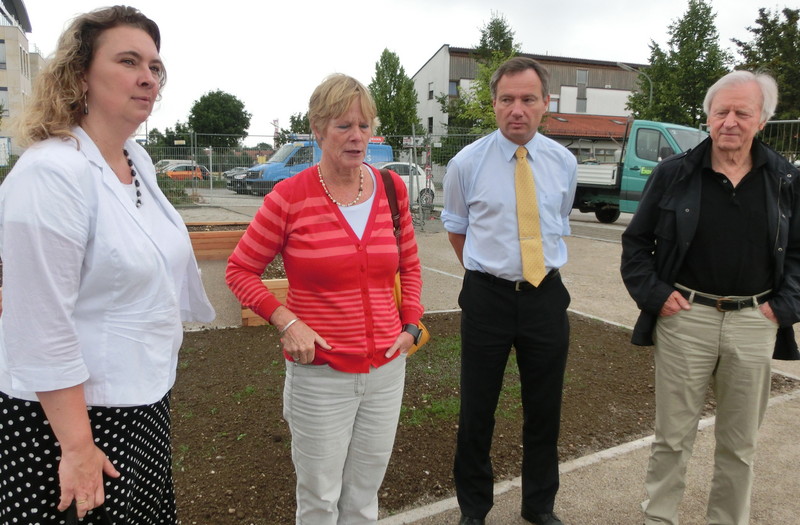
(509,148)
(756,152)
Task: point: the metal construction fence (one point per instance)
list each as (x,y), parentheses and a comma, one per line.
(784,137)
(430,153)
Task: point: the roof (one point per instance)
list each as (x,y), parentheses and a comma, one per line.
(16,8)
(572,125)
(552,58)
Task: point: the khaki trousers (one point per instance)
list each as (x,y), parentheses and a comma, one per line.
(733,350)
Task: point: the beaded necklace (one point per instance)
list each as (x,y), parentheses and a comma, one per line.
(354,201)
(134,179)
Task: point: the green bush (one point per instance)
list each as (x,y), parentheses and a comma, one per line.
(175,190)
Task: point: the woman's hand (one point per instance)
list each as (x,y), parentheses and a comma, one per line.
(300,342)
(82,465)
(80,475)
(403,343)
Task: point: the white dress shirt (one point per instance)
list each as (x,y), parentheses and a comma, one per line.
(92,293)
(480,202)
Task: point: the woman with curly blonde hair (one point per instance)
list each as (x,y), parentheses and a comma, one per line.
(98,274)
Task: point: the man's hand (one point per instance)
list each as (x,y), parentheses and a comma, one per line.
(766,309)
(674,304)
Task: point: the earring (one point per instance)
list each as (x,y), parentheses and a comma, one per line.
(85,104)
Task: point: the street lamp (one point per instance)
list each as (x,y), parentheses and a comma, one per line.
(626,67)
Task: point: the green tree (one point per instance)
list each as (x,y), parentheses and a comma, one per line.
(222,114)
(682,73)
(471,112)
(167,145)
(395,99)
(775,48)
(298,123)
(155,137)
(496,36)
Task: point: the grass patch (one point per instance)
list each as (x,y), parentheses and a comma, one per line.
(440,363)
(243,394)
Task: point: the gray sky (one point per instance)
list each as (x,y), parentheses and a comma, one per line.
(271,54)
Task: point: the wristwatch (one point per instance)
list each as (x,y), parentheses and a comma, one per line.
(414,331)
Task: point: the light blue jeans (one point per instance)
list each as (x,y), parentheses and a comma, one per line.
(343,427)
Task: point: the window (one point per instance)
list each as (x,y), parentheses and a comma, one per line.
(2,54)
(606,155)
(430,90)
(304,156)
(430,125)
(553,106)
(583,77)
(401,169)
(24,62)
(4,100)
(452,88)
(652,145)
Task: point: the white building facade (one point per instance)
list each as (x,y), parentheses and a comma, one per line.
(579,86)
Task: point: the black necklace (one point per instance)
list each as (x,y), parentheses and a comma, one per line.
(134,179)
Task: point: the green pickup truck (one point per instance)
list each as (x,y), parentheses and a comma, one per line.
(608,189)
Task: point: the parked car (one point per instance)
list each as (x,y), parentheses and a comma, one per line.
(233,172)
(235,180)
(425,195)
(162,164)
(186,171)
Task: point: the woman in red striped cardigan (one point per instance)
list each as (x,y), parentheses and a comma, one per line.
(343,338)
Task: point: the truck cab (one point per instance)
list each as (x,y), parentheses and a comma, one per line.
(608,189)
(648,144)
(294,157)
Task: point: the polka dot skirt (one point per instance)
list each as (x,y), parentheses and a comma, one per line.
(135,439)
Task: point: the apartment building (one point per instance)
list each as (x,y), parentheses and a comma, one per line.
(577,86)
(19,65)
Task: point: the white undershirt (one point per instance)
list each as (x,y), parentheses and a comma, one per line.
(358,215)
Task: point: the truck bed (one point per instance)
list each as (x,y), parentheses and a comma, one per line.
(597,175)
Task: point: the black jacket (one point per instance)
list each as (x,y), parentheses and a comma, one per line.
(655,242)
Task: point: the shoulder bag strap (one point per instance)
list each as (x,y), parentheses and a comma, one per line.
(391,196)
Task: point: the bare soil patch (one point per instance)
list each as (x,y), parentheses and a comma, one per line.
(232,448)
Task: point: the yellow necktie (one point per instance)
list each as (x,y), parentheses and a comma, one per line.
(530,232)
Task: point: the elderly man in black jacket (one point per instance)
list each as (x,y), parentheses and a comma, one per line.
(712,259)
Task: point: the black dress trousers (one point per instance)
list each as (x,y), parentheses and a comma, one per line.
(534,322)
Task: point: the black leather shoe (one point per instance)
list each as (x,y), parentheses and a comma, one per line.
(545,518)
(466,520)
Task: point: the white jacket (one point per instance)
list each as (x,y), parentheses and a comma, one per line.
(87,295)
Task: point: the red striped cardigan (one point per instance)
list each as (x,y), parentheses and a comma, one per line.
(340,285)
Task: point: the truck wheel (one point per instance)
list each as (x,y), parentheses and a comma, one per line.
(607,215)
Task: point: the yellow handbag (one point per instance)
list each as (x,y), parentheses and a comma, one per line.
(391,196)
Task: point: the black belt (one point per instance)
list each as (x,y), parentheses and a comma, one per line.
(518,286)
(725,304)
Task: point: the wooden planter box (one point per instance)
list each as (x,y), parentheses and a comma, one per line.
(215,245)
(279,288)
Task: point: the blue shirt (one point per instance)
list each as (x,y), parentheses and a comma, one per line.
(480,202)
